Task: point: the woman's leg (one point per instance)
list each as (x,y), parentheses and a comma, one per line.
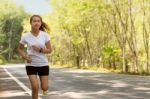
(44,82)
(34,85)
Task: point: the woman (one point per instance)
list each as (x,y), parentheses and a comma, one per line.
(38,44)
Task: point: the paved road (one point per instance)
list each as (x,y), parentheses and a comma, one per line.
(74,84)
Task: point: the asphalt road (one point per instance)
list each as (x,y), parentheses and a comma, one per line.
(74,84)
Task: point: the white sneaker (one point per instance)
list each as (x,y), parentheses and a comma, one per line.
(45,93)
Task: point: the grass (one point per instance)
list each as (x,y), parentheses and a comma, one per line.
(101,70)
(92,68)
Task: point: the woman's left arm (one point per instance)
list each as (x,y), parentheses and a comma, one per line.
(48,48)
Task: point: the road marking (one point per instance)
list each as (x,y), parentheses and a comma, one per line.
(19,82)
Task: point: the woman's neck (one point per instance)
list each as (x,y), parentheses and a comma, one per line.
(35,32)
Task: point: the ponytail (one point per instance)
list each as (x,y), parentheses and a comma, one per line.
(44,27)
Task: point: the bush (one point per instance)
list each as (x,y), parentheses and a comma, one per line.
(2,60)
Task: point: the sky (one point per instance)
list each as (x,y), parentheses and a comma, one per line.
(40,7)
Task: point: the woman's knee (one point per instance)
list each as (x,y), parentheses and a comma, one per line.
(44,82)
(44,87)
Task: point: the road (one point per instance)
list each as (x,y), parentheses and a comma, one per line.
(67,83)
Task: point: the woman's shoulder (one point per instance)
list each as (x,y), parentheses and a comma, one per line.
(44,33)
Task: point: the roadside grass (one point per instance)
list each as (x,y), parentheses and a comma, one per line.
(101,70)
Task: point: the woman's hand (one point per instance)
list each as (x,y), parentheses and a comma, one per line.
(36,48)
(27,58)
(45,50)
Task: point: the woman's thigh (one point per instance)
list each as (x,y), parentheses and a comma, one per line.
(34,81)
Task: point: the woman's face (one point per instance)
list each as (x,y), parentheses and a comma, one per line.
(36,23)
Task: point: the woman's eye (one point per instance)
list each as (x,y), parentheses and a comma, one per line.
(34,20)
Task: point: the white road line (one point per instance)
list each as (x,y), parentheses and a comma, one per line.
(19,82)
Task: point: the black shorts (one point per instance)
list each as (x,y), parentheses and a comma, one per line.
(41,71)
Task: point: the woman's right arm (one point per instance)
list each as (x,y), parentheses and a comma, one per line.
(21,51)
(23,54)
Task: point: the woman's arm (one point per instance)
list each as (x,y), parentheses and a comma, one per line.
(48,48)
(45,50)
(21,50)
(23,54)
